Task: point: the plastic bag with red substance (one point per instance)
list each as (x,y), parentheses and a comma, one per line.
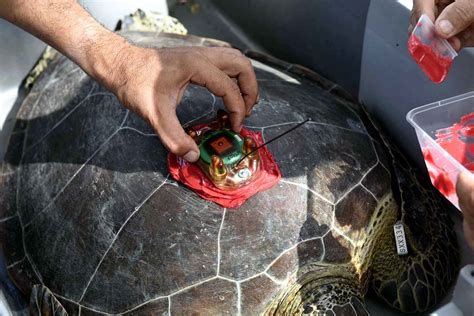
(191,175)
(431,52)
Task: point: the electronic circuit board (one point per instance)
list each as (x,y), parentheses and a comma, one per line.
(228,159)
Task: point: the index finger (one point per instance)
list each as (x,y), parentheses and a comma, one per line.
(235,64)
(221,85)
(421,7)
(465,192)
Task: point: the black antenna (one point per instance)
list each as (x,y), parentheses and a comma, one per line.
(273,139)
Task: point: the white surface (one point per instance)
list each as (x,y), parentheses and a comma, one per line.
(4,309)
(448,310)
(7,96)
(406,3)
(108,12)
(18,53)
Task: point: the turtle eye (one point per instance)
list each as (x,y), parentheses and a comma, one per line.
(217,168)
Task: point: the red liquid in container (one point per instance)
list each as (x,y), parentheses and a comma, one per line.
(436,67)
(458,141)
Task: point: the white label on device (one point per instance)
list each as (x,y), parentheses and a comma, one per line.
(400,239)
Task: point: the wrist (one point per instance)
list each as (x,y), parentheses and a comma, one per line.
(66,26)
(104,57)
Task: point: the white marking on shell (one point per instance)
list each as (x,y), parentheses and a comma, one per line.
(118,234)
(219,242)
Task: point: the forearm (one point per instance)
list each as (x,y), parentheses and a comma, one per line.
(66,26)
(150,82)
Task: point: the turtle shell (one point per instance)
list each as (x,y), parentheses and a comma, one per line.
(90,212)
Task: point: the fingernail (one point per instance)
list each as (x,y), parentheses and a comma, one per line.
(191,156)
(446,27)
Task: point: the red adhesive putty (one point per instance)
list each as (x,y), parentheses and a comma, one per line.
(194,178)
(458,141)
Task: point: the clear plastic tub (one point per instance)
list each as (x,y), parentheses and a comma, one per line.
(446,124)
(432,53)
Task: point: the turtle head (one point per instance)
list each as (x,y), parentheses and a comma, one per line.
(322,291)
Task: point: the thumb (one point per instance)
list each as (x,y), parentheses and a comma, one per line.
(465,192)
(173,136)
(455,18)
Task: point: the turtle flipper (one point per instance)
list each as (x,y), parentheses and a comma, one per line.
(44,303)
(419,281)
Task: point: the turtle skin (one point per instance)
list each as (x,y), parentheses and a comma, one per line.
(92,223)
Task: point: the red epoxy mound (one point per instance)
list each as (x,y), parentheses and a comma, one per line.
(193,177)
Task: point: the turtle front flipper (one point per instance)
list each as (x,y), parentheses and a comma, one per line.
(44,303)
(420,280)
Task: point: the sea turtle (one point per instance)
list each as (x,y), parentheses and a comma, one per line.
(93,224)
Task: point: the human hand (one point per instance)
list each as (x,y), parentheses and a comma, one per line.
(151,82)
(465,192)
(454,19)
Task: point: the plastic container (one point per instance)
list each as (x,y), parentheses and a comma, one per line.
(432,53)
(448,122)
